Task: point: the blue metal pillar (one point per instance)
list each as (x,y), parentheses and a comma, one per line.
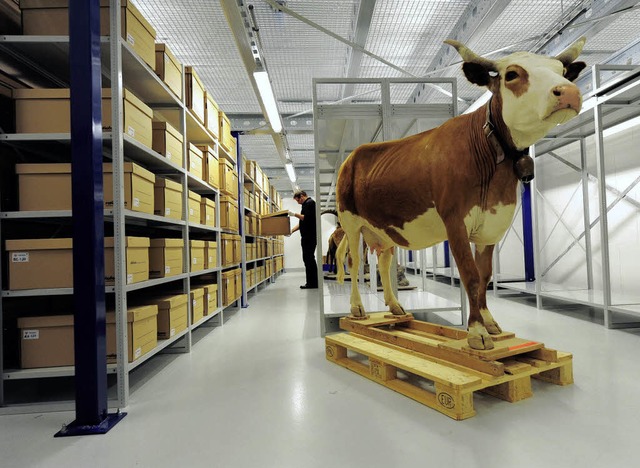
(447,259)
(527,234)
(88,225)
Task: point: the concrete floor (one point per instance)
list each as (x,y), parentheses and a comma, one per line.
(258,392)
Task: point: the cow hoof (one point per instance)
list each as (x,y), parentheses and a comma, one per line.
(397,309)
(358,313)
(478,338)
(493,328)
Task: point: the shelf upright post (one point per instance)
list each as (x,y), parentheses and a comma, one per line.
(244,303)
(88,224)
(186,248)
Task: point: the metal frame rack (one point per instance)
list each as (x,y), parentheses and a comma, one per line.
(579,147)
(373,110)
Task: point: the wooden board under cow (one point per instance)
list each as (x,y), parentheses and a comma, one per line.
(457,182)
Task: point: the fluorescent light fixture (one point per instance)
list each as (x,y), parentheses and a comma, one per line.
(268,99)
(291,172)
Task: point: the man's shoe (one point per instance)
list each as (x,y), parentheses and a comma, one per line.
(306,286)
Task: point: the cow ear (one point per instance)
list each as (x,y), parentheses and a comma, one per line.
(476,73)
(572,70)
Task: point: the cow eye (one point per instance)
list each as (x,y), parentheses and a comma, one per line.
(510,76)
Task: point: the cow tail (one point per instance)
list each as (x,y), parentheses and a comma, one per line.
(340,256)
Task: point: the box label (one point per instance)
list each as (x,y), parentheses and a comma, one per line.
(136,202)
(168,154)
(129,278)
(195,260)
(195,302)
(191,211)
(167,269)
(130,39)
(172,332)
(138,353)
(131,131)
(167,211)
(210,260)
(30,334)
(19,257)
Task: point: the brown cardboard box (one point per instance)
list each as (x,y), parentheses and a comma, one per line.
(238,283)
(211,117)
(275,224)
(138,118)
(167,198)
(196,249)
(228,287)
(194,207)
(210,299)
(172,314)
(229,214)
(197,305)
(210,254)
(40,263)
(208,212)
(137,259)
(226,250)
(142,331)
(225,136)
(237,249)
(138,187)
(211,170)
(228,178)
(195,161)
(169,69)
(195,93)
(165,257)
(168,142)
(51,18)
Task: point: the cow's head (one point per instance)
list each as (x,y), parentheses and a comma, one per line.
(536,92)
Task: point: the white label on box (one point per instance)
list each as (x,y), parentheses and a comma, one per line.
(130,278)
(167,211)
(195,260)
(191,211)
(138,353)
(208,217)
(131,131)
(30,334)
(208,297)
(168,154)
(136,202)
(194,303)
(20,257)
(167,269)
(130,39)
(172,332)
(193,164)
(210,260)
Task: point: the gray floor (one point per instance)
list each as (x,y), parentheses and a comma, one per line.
(258,392)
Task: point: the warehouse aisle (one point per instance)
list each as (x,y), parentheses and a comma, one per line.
(258,392)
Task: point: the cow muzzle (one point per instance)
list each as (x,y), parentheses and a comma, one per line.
(566,97)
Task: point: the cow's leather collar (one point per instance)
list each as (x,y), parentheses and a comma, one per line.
(522,162)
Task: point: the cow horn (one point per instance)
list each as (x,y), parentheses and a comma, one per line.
(469,56)
(571,53)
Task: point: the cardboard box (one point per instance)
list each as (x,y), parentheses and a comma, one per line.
(226,249)
(228,287)
(197,305)
(195,161)
(137,259)
(208,212)
(238,283)
(40,263)
(210,254)
(172,314)
(228,178)
(142,331)
(48,111)
(225,136)
(195,94)
(165,257)
(169,69)
(51,18)
(196,255)
(167,198)
(194,207)
(229,214)
(275,224)
(211,117)
(168,142)
(210,299)
(138,187)
(211,170)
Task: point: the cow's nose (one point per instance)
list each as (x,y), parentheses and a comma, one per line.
(568,97)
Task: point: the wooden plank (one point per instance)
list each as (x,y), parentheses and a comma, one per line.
(399,337)
(377,319)
(544,354)
(441,330)
(409,362)
(513,390)
(503,349)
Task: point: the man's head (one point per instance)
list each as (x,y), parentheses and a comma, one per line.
(300,196)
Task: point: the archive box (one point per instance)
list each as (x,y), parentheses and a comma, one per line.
(197,305)
(208,212)
(167,198)
(138,187)
(169,69)
(142,331)
(228,178)
(210,299)
(194,161)
(275,224)
(167,141)
(210,254)
(210,170)
(196,255)
(194,207)
(172,314)
(165,257)
(40,263)
(211,116)
(229,214)
(136,259)
(195,93)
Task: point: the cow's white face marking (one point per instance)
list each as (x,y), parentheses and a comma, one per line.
(530,115)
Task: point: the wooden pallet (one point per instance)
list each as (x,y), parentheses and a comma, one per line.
(440,354)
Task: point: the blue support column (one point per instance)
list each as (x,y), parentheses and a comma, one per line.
(88,225)
(527,234)
(447,259)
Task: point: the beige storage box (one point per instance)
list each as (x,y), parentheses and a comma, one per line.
(211,169)
(167,198)
(51,18)
(196,255)
(226,251)
(40,263)
(43,187)
(238,283)
(229,214)
(208,212)
(228,287)
(138,187)
(169,69)
(211,254)
(165,257)
(225,136)
(228,178)
(197,305)
(211,117)
(142,332)
(195,161)
(194,207)
(275,224)
(237,248)
(172,315)
(195,93)
(137,259)
(167,141)
(210,299)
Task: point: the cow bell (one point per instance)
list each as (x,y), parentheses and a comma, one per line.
(523,167)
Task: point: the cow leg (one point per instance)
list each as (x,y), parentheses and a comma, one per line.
(357,308)
(484,256)
(478,337)
(390,299)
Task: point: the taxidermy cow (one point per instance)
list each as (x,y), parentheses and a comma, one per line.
(457,182)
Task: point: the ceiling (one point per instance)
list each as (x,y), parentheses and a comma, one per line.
(299,40)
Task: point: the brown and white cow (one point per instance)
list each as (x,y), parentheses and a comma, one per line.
(457,181)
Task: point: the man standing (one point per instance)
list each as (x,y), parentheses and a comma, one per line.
(307,228)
